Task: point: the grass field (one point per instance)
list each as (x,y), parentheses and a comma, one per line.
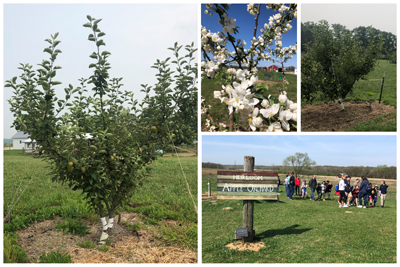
(163,196)
(300,231)
(219,111)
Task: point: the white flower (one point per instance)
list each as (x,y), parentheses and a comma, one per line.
(285,125)
(275,127)
(265,103)
(285,115)
(270,111)
(293,106)
(255,122)
(217,94)
(282,97)
(294,116)
(253,80)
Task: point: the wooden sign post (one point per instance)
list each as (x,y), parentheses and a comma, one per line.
(248,186)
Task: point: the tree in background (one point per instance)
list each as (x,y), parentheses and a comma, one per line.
(299,163)
(111,161)
(334,61)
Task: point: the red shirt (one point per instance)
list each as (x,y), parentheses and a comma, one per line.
(297,181)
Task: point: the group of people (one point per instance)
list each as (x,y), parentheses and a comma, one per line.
(349,195)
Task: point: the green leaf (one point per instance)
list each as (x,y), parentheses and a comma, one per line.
(89,17)
(87,25)
(88,188)
(93,55)
(48,50)
(101,34)
(92,65)
(105,53)
(56,43)
(96,21)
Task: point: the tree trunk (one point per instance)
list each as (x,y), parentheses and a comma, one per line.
(248,205)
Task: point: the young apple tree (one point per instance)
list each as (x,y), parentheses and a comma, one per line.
(104,142)
(334,61)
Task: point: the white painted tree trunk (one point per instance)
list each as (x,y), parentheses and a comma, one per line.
(340,101)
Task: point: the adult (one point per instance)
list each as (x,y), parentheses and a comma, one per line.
(291,186)
(348,189)
(286,184)
(312,184)
(342,186)
(297,185)
(363,193)
(383,192)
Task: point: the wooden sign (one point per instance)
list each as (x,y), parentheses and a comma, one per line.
(247,185)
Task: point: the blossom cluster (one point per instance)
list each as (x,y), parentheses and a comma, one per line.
(238,91)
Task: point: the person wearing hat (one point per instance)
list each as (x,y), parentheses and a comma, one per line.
(383,192)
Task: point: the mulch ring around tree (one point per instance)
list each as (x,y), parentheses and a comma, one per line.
(327,117)
(253,246)
(125,247)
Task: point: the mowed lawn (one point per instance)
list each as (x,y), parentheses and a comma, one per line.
(163,196)
(301,231)
(219,111)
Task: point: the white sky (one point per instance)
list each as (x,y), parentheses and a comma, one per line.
(136,35)
(380,16)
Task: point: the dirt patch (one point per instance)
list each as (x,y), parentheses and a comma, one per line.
(253,246)
(348,211)
(269,83)
(227,208)
(125,247)
(327,117)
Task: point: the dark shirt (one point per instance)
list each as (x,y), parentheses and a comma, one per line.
(363,189)
(312,183)
(372,192)
(347,186)
(291,181)
(318,189)
(383,188)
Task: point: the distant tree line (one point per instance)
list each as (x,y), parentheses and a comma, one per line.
(365,35)
(381,171)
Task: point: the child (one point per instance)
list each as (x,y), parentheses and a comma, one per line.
(374,194)
(303,188)
(337,192)
(354,199)
(371,193)
(323,188)
(319,191)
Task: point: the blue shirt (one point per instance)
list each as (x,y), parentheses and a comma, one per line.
(383,188)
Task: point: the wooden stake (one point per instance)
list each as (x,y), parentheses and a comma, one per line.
(248,205)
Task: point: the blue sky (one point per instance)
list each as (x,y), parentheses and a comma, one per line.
(246,23)
(136,35)
(337,150)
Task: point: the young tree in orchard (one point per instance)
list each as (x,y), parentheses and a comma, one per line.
(112,160)
(334,61)
(222,51)
(299,162)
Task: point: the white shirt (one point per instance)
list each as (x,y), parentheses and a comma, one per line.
(342,185)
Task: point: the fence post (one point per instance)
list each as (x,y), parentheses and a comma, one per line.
(383,81)
(248,205)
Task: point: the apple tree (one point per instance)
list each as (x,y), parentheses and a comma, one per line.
(112,160)
(334,61)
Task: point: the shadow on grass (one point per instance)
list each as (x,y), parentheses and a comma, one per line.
(291,230)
